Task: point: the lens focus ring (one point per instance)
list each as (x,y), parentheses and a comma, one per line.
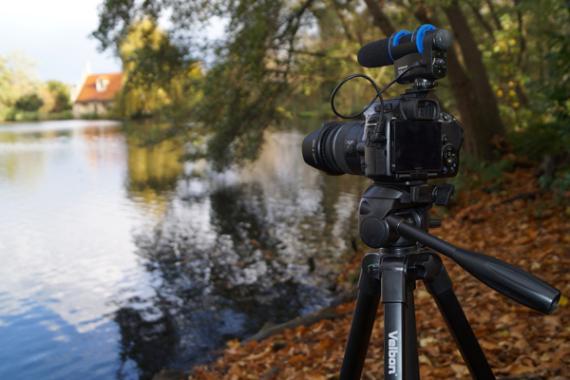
(325,151)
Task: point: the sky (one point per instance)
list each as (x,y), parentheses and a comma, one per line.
(54,35)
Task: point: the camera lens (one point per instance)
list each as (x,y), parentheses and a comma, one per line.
(333,148)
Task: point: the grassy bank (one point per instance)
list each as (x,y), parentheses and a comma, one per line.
(22,116)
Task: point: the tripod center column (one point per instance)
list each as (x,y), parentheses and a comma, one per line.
(394,289)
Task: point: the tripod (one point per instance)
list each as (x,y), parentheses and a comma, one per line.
(395,219)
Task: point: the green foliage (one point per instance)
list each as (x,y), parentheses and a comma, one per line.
(60,96)
(159,81)
(550,82)
(243,90)
(539,140)
(16,80)
(63,115)
(476,173)
(23,98)
(558,182)
(547,144)
(14,115)
(29,103)
(561,183)
(279,59)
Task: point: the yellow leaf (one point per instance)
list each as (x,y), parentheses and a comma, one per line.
(233,344)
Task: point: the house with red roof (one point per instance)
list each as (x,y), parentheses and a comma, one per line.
(96,94)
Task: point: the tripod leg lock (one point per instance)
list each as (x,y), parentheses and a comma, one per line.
(429,267)
(369,281)
(394,277)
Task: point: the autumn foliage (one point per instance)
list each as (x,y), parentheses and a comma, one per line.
(519,224)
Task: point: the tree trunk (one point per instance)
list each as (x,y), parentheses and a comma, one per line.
(466,102)
(477,13)
(379,17)
(489,119)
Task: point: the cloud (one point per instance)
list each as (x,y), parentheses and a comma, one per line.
(55,35)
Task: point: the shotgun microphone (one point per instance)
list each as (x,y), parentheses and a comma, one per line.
(384,52)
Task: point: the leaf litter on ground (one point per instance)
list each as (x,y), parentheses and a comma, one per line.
(522,225)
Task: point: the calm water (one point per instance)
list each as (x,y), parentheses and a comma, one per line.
(119,260)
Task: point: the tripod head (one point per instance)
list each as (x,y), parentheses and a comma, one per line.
(395,217)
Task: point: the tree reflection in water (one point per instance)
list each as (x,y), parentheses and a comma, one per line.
(233,252)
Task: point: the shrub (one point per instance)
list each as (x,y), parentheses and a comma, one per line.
(29,103)
(539,140)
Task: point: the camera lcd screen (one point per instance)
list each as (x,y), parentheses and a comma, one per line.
(416,146)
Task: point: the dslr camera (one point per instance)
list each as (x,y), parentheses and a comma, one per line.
(400,140)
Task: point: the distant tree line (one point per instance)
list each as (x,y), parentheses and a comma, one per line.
(23,97)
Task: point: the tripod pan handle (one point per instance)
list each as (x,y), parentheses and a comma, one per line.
(506,279)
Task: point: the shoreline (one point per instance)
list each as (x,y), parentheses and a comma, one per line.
(500,224)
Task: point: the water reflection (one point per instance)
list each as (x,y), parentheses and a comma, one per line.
(64,246)
(158,261)
(240,249)
(153,169)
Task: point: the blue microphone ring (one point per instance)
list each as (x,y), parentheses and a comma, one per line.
(398,36)
(395,40)
(418,36)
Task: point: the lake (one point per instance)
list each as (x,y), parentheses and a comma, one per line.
(119,259)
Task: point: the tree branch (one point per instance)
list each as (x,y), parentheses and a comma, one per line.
(496,19)
(486,26)
(342,19)
(379,17)
(522,40)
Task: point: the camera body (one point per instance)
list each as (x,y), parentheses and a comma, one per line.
(405,139)
(412,139)
(399,140)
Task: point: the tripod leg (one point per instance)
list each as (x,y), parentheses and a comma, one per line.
(363,319)
(411,344)
(440,287)
(400,347)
